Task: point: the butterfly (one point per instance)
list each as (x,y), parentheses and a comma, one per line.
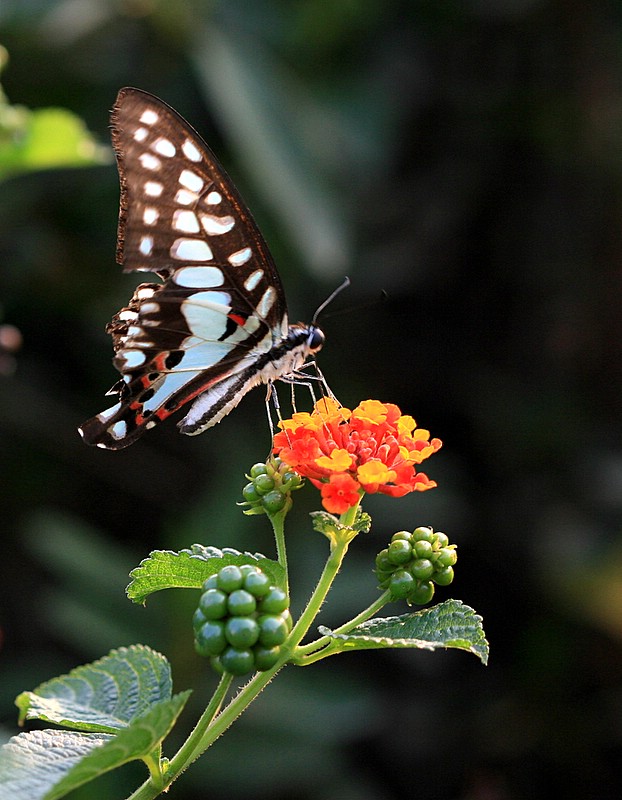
(216,324)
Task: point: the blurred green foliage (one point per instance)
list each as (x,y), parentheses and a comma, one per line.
(465,158)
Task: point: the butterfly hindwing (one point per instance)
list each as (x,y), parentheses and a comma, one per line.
(219,314)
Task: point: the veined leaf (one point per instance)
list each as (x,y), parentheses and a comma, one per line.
(104,696)
(46,765)
(449,624)
(187,569)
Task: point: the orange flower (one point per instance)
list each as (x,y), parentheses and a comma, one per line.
(340,493)
(374,448)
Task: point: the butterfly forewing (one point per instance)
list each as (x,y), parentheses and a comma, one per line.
(220,310)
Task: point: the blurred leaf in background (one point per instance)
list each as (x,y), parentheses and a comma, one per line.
(45,138)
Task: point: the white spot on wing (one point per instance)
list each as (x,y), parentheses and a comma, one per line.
(146,245)
(191,151)
(164,147)
(214,226)
(213,198)
(140,134)
(186,198)
(190,180)
(171,383)
(119,429)
(267,301)
(149,308)
(185,221)
(240,257)
(206,316)
(127,314)
(195,277)
(253,279)
(153,188)
(144,292)
(150,215)
(108,413)
(150,162)
(191,250)
(149,117)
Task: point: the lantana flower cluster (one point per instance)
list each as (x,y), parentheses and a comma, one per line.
(344,453)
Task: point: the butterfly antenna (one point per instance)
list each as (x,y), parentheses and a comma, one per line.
(330,298)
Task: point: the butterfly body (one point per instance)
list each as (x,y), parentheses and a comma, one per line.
(217,324)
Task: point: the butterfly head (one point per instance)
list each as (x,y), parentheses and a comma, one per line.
(306,339)
(315,339)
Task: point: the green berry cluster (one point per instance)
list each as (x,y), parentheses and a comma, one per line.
(241,621)
(270,487)
(414,562)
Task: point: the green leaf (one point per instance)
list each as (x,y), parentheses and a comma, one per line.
(448,624)
(104,696)
(46,765)
(43,139)
(32,763)
(187,569)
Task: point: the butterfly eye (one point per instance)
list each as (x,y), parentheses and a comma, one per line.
(316,339)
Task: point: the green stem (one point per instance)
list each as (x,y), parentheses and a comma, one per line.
(305,652)
(329,573)
(187,753)
(278,526)
(210,727)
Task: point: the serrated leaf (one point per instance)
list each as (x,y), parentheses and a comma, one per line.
(187,569)
(104,696)
(448,624)
(137,741)
(47,765)
(336,531)
(32,763)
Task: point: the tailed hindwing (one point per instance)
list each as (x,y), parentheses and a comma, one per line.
(219,310)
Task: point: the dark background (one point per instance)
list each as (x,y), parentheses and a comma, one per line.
(466,158)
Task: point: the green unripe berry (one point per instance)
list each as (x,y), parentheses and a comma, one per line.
(401,584)
(211,582)
(257,583)
(275,602)
(444,576)
(209,639)
(400,552)
(237,662)
(422,594)
(288,619)
(241,603)
(198,619)
(241,632)
(257,470)
(266,657)
(213,604)
(273,630)
(274,501)
(383,578)
(447,557)
(405,535)
(291,480)
(423,534)
(422,569)
(423,548)
(442,540)
(249,493)
(263,484)
(229,578)
(383,562)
